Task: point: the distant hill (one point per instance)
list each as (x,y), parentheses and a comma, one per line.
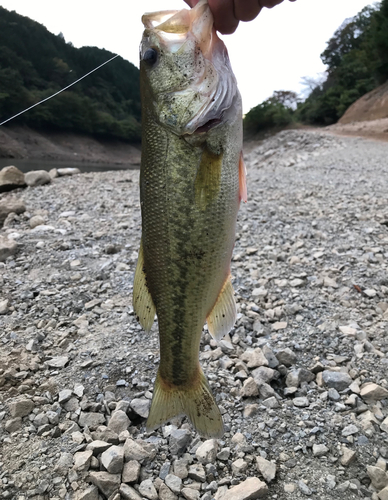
(34,64)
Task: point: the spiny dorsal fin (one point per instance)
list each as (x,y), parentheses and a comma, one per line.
(142,301)
(223,315)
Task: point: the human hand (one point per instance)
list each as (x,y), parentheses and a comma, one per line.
(228,13)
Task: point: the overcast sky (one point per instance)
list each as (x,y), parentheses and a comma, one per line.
(273,52)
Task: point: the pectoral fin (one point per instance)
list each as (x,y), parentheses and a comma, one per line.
(142,301)
(223,315)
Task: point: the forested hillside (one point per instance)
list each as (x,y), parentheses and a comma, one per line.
(356,58)
(34,64)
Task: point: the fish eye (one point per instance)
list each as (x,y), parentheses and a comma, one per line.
(150,56)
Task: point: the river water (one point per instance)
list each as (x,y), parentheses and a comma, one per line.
(27,165)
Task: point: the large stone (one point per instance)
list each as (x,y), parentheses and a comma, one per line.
(348,456)
(105,482)
(174,483)
(190,493)
(250,489)
(197,472)
(378,477)
(141,406)
(147,490)
(286,357)
(113,459)
(299,375)
(82,460)
(166,494)
(266,468)
(131,472)
(119,422)
(10,205)
(338,380)
(128,493)
(4,306)
(134,451)
(91,493)
(250,388)
(207,452)
(21,408)
(373,392)
(254,358)
(91,419)
(13,424)
(98,446)
(179,440)
(7,248)
(37,178)
(57,362)
(11,178)
(383,494)
(68,171)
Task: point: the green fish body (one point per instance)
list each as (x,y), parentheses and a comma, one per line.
(191,183)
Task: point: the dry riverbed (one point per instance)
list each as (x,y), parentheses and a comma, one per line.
(301,380)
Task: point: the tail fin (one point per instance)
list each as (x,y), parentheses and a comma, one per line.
(196,402)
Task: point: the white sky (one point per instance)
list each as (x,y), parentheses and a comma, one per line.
(273,52)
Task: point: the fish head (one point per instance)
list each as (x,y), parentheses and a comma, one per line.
(186,79)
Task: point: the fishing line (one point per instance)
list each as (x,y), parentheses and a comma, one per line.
(59,91)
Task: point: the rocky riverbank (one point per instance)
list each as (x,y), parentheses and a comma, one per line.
(301,380)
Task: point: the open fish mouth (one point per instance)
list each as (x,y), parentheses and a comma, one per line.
(213,122)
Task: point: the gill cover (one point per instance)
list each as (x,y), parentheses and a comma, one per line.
(185,70)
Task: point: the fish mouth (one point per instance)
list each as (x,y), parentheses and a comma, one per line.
(208,125)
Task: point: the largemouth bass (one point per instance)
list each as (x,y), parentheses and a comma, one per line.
(191,182)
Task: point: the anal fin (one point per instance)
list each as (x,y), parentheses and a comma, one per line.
(223,315)
(142,301)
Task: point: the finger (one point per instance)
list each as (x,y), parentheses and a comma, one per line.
(246,10)
(269,3)
(191,3)
(224,19)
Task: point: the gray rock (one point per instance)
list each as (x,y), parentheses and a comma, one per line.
(64,463)
(299,375)
(119,422)
(131,471)
(372,392)
(36,220)
(7,248)
(82,460)
(197,472)
(113,459)
(179,440)
(180,468)
(348,456)
(128,493)
(141,407)
(10,205)
(147,490)
(57,362)
(378,477)
(286,357)
(91,419)
(190,494)
(102,433)
(320,450)
(3,306)
(301,402)
(337,380)
(64,396)
(250,388)
(207,452)
(266,468)
(164,470)
(11,178)
(105,482)
(251,488)
(98,446)
(37,178)
(333,394)
(91,493)
(68,171)
(304,488)
(174,483)
(134,451)
(13,424)
(21,408)
(254,358)
(349,430)
(271,358)
(166,494)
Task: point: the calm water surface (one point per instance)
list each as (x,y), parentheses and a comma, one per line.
(27,165)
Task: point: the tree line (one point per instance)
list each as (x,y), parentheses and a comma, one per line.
(35,64)
(356,57)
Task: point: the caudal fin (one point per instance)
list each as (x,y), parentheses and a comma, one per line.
(197,403)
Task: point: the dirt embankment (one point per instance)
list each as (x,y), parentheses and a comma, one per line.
(367,117)
(23,142)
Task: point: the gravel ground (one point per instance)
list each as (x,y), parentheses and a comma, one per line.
(301,380)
